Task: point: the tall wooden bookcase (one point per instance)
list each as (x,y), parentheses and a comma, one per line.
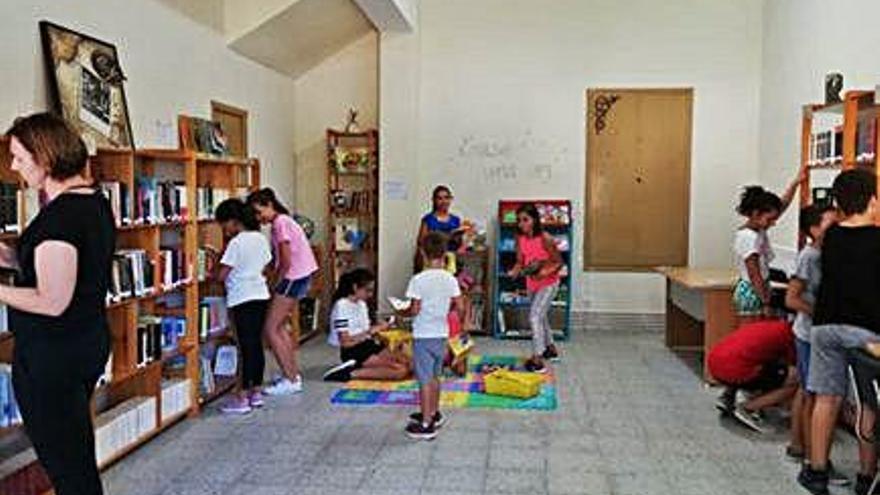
(837,137)
(353,202)
(237,176)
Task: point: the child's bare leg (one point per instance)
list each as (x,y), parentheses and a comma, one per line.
(772,398)
(796,442)
(427,392)
(822,429)
(867,451)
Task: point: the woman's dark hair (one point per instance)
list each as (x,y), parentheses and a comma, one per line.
(53,142)
(756,199)
(266,197)
(236,209)
(350,281)
(853,190)
(532,211)
(437,190)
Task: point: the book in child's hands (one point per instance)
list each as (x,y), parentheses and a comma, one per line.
(399,304)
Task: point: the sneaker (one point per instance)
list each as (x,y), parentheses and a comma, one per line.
(535,367)
(285,386)
(863,482)
(794,455)
(439,419)
(726,402)
(551,354)
(418,431)
(236,405)
(749,419)
(836,478)
(816,482)
(340,373)
(255,399)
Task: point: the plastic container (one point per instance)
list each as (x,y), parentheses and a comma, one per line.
(513,383)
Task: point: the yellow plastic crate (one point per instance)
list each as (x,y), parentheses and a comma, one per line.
(513,383)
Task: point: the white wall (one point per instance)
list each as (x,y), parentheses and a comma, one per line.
(348,79)
(498,86)
(803,41)
(174,65)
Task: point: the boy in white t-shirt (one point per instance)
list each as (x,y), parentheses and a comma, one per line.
(432,292)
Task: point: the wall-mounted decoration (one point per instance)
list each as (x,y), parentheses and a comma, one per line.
(833,87)
(601,106)
(86,85)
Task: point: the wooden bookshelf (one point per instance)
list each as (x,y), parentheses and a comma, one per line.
(353,173)
(129,380)
(853,125)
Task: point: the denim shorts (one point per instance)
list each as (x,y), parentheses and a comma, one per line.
(294,289)
(803,361)
(428,357)
(828,356)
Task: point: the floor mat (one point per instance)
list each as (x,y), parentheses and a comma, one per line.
(456,392)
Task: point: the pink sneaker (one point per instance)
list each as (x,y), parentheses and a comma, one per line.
(236,405)
(255,399)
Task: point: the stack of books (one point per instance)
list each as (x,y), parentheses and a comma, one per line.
(160,201)
(9,413)
(132,274)
(176,398)
(171,267)
(123,426)
(213,317)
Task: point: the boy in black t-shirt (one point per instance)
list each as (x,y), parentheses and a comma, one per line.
(847,316)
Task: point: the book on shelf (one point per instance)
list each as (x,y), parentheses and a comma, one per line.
(160,201)
(132,274)
(205,264)
(349,202)
(176,398)
(9,199)
(123,426)
(156,335)
(171,267)
(226,361)
(207,200)
(117,195)
(213,317)
(10,415)
(207,384)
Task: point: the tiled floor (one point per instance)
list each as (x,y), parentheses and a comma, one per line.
(633,419)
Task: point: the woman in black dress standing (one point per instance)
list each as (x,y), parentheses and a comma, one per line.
(58,304)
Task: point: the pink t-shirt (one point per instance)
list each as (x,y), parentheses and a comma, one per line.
(532,250)
(302,260)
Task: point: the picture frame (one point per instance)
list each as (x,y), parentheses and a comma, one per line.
(86,86)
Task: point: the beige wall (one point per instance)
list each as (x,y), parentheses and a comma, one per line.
(488,97)
(348,79)
(174,65)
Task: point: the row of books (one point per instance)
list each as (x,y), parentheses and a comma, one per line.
(134,274)
(207,200)
(352,201)
(156,202)
(205,264)
(508,243)
(9,412)
(176,397)
(160,201)
(9,199)
(213,317)
(826,147)
(156,335)
(123,426)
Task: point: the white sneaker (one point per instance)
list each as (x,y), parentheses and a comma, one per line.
(285,386)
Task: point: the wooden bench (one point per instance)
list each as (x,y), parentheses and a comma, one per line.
(699,308)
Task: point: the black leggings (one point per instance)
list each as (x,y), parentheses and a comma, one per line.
(53,385)
(249,318)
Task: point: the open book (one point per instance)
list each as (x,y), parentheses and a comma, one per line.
(399,304)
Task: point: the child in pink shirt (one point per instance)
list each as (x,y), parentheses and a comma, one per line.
(294,265)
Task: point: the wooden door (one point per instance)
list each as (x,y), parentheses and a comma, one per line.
(234,123)
(638,178)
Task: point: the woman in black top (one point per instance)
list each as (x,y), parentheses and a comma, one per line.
(57,311)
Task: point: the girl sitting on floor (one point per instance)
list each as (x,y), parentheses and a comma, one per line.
(362,356)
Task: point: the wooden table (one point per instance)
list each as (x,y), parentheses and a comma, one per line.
(699,308)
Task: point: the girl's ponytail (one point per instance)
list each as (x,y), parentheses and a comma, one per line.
(266,197)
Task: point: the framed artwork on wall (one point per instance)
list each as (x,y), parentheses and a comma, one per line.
(86,85)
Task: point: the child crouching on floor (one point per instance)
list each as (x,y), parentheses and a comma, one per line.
(432,292)
(361,355)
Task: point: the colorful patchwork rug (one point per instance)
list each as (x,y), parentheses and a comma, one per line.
(456,392)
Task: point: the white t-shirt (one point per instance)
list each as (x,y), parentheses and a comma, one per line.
(348,316)
(435,289)
(247,254)
(809,271)
(747,242)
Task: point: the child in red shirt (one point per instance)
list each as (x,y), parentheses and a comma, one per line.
(757,357)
